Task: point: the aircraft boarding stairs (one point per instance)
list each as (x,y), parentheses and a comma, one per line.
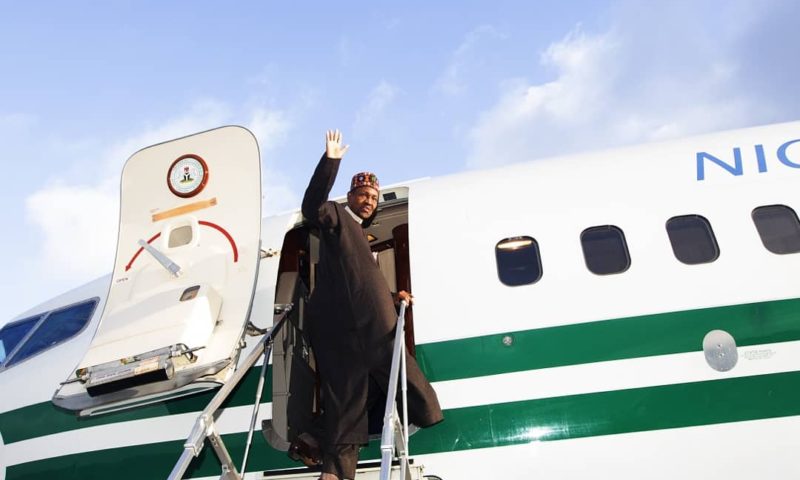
(394,437)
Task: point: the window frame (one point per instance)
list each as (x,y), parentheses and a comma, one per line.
(625,248)
(4,365)
(538,256)
(758,229)
(710,230)
(28,334)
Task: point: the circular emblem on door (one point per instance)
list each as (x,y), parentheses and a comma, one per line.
(187,176)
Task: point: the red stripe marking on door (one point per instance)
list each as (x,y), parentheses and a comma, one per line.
(227,235)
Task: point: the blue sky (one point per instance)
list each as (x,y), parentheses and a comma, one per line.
(419,89)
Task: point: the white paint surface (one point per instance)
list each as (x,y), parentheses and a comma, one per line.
(456,221)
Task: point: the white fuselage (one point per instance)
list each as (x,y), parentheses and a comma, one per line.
(569,354)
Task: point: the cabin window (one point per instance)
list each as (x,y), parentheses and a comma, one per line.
(518,261)
(692,239)
(57,326)
(605,250)
(12,334)
(778,228)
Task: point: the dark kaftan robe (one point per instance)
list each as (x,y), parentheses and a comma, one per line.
(351,321)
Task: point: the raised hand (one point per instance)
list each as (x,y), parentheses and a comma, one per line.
(333,144)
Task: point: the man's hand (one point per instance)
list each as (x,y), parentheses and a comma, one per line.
(403,295)
(333,144)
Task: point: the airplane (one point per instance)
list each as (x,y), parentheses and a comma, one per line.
(619,314)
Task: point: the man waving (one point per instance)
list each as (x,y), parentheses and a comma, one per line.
(352,318)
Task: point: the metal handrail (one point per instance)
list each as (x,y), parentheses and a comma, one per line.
(256,405)
(390,413)
(204,426)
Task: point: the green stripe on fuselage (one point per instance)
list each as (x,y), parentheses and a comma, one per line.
(626,338)
(45,418)
(484,426)
(618,339)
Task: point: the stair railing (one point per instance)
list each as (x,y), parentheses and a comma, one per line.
(205,428)
(394,437)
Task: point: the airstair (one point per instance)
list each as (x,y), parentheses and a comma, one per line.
(394,465)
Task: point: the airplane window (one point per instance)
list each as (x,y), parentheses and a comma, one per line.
(13,333)
(605,250)
(59,326)
(778,228)
(518,261)
(692,239)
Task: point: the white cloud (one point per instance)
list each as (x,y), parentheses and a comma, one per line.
(17,121)
(378,100)
(264,78)
(463,62)
(79,227)
(278,194)
(271,128)
(644,79)
(527,118)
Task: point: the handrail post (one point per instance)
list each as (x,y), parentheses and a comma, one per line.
(204,425)
(404,390)
(256,405)
(387,435)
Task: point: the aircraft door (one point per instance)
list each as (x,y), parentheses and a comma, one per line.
(184,275)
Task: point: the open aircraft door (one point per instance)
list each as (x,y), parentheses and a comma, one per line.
(184,275)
